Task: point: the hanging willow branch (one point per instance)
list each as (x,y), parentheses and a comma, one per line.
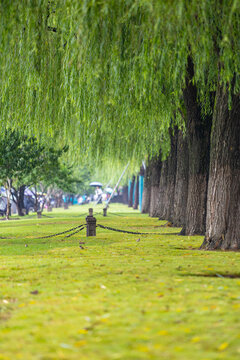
(112,88)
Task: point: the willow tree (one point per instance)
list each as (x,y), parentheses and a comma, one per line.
(109,77)
(215,29)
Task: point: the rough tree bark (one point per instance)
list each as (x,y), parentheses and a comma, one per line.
(146,190)
(125,194)
(36,202)
(136,199)
(181,184)
(20,200)
(8,187)
(198,137)
(168,210)
(162,193)
(223,206)
(130,200)
(156,165)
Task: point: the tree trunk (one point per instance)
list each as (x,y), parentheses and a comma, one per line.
(181,184)
(223,206)
(198,136)
(162,193)
(20,200)
(59,201)
(130,200)
(168,212)
(125,195)
(36,199)
(8,188)
(156,165)
(146,190)
(136,200)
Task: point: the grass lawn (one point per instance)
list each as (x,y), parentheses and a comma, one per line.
(117,298)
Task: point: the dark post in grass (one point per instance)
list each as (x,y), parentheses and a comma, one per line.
(91,224)
(105,211)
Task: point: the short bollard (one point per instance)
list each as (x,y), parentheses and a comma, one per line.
(39,214)
(91,224)
(104,211)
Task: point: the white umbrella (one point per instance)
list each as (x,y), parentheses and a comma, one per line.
(96,183)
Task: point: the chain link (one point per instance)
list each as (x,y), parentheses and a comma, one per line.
(75,232)
(61,233)
(125,231)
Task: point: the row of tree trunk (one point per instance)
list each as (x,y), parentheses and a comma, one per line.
(198,186)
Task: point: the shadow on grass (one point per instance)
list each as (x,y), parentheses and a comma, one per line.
(216,275)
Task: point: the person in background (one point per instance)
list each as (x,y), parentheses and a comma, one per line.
(98,193)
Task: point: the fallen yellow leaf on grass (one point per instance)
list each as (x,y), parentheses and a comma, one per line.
(223,346)
(104,320)
(21,305)
(179,310)
(163,332)
(80,343)
(3,357)
(143,348)
(158,346)
(147,329)
(195,339)
(236,306)
(178,348)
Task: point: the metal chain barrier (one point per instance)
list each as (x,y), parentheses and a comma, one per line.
(47,216)
(75,232)
(125,231)
(111,213)
(91,229)
(61,233)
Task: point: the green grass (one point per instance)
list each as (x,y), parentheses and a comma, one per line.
(118,298)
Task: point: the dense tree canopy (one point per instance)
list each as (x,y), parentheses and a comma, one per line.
(79,69)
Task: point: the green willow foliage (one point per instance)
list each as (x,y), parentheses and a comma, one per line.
(106,76)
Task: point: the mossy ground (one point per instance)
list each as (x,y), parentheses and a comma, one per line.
(118,298)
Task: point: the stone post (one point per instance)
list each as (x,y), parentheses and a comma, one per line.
(105,211)
(91,224)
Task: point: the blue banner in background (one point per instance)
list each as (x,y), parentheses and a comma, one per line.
(129,187)
(134,190)
(141,183)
